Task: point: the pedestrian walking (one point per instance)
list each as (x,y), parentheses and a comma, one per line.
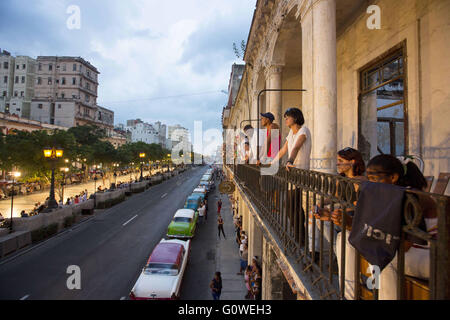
(216,286)
(219,206)
(220,226)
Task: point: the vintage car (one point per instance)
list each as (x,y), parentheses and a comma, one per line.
(202,191)
(206,177)
(206,185)
(183,224)
(163,273)
(192,202)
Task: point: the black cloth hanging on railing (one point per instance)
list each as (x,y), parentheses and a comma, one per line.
(377,222)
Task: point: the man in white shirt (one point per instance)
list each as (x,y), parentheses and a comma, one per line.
(201,213)
(298,141)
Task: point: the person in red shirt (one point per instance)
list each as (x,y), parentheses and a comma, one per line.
(270,149)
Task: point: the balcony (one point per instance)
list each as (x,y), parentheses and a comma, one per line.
(279,201)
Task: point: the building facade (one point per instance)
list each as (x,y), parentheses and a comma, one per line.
(65,91)
(377,88)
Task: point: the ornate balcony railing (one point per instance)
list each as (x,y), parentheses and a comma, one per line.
(284,198)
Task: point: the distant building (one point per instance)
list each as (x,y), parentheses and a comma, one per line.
(146,132)
(17,76)
(65,91)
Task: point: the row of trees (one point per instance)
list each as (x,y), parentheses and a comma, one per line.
(86,145)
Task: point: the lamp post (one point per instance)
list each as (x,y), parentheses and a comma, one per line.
(95,186)
(142,156)
(14,175)
(52,154)
(64,171)
(168,162)
(115,165)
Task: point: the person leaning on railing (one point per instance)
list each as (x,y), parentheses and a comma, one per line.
(350,164)
(298,141)
(388,169)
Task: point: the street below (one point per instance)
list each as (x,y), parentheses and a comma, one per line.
(111,249)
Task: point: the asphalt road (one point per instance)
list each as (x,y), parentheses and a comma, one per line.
(111,249)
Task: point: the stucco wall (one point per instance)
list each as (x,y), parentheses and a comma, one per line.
(424,24)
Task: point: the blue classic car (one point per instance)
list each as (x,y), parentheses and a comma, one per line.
(193,202)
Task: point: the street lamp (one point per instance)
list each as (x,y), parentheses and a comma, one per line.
(52,154)
(168,162)
(64,171)
(142,156)
(15,175)
(115,165)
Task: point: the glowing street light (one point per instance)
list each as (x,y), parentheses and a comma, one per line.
(53,154)
(15,176)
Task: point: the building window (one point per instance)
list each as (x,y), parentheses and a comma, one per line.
(62,95)
(64,67)
(49,80)
(4,93)
(74,67)
(39,80)
(40,66)
(24,66)
(16,93)
(50,67)
(63,81)
(17,79)
(5,65)
(40,106)
(17,67)
(21,93)
(23,79)
(59,106)
(81,82)
(5,79)
(382,109)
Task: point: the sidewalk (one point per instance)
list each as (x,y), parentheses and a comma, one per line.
(227,254)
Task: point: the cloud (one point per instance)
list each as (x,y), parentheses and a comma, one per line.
(142,48)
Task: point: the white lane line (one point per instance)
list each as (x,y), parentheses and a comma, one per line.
(123,298)
(165,194)
(25,297)
(129,220)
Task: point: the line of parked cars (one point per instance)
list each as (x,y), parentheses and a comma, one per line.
(163,273)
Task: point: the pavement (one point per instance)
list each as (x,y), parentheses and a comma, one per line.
(112,247)
(210,254)
(27,202)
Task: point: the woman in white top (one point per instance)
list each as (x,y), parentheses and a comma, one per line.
(298,141)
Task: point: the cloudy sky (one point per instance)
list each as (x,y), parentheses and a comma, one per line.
(159,60)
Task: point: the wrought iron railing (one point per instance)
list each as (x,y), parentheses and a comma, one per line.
(284,198)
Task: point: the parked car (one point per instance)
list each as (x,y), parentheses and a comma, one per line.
(206,177)
(183,224)
(162,276)
(202,191)
(192,202)
(206,185)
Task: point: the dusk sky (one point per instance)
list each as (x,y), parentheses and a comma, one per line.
(145,50)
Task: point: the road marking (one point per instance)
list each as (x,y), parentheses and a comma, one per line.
(129,220)
(123,298)
(165,194)
(25,297)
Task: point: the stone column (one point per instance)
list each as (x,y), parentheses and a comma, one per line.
(272,277)
(319,78)
(255,240)
(274,100)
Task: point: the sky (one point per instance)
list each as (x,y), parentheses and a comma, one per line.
(162,61)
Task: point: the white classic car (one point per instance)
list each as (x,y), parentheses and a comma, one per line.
(162,275)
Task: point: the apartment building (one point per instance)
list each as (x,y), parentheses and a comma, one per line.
(65,91)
